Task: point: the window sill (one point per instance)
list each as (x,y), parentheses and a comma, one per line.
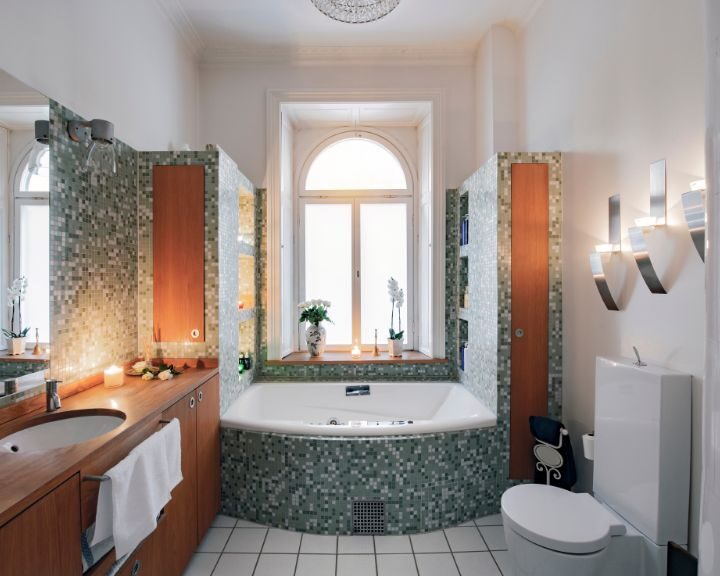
(304,359)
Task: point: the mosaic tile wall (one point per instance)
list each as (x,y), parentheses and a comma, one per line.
(93,256)
(308,483)
(17,369)
(346,372)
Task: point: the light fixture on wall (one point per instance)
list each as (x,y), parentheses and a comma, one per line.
(40,146)
(657,217)
(99,135)
(612,247)
(694,208)
(356,11)
(42,132)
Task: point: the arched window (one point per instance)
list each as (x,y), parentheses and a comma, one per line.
(356,219)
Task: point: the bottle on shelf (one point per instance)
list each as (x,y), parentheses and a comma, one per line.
(241,364)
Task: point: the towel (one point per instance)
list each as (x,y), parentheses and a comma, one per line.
(139,487)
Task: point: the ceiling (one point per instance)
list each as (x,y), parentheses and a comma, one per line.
(292,24)
(355,114)
(22,117)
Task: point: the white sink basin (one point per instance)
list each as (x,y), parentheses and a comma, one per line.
(64,430)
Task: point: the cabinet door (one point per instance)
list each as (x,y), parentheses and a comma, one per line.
(179,253)
(208,453)
(175,538)
(45,538)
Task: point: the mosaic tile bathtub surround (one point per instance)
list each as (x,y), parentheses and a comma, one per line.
(93,256)
(309,484)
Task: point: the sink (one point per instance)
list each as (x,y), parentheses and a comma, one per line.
(62,430)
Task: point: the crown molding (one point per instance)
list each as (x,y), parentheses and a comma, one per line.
(23,99)
(179,19)
(341,55)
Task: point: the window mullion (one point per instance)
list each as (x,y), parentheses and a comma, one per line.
(357,312)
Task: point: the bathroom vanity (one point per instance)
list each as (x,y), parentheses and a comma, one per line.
(48,497)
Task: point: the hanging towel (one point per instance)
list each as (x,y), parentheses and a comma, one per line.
(138,488)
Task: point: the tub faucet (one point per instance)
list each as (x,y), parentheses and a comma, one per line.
(52,398)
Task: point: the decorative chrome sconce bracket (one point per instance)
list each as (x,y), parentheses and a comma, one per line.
(693,203)
(642,259)
(596,258)
(99,135)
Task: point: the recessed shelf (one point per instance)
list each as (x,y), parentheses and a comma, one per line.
(464,314)
(246,249)
(246,314)
(304,359)
(464,250)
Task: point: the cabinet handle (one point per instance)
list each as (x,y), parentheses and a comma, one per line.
(519,333)
(136,568)
(195,333)
(192,401)
(200,396)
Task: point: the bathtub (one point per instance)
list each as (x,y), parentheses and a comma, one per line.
(324,409)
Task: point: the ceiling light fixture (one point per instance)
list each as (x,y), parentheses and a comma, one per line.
(356,11)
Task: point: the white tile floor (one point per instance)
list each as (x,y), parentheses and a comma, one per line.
(241,548)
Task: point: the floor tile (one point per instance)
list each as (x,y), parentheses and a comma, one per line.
(396,565)
(246,540)
(281,542)
(315,565)
(494,537)
(318,544)
(201,565)
(356,565)
(468,523)
(248,524)
(494,520)
(355,545)
(430,542)
(276,565)
(465,540)
(392,545)
(503,560)
(222,521)
(214,540)
(236,565)
(476,564)
(436,565)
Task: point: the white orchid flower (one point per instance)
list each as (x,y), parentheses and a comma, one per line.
(400,299)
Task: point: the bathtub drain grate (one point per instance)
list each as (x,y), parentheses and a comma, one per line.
(368,517)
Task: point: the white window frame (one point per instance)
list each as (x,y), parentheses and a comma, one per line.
(356,198)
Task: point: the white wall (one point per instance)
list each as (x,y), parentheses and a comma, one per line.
(616,85)
(122,61)
(233,104)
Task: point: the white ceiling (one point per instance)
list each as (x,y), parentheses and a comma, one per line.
(355,114)
(238,24)
(22,117)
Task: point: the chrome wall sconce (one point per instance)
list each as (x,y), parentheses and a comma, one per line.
(100,136)
(693,203)
(657,217)
(42,132)
(613,246)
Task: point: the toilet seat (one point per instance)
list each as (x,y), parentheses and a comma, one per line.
(559,520)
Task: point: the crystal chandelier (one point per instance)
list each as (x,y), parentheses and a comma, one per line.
(356,11)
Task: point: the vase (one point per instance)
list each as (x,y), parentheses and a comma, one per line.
(315,338)
(16,346)
(395,348)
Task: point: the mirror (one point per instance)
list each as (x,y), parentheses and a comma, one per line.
(24,239)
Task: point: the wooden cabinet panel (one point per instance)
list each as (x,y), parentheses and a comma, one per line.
(179,253)
(141,561)
(208,454)
(530,302)
(45,538)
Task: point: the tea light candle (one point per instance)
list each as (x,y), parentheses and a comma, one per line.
(113,377)
(355,352)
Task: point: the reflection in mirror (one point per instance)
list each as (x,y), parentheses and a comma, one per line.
(24,239)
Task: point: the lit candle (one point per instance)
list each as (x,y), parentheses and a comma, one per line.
(355,352)
(113,377)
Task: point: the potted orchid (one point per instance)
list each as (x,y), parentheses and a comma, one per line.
(397,299)
(314,312)
(16,294)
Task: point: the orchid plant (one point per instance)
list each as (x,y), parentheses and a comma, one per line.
(397,299)
(16,294)
(314,311)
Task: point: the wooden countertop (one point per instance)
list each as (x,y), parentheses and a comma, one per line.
(24,478)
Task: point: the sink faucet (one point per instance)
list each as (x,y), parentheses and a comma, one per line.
(52,398)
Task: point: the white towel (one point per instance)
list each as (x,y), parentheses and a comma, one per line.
(139,487)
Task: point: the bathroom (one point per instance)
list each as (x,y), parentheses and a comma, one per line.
(352,463)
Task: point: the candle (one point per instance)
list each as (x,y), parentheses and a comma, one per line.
(355,353)
(113,377)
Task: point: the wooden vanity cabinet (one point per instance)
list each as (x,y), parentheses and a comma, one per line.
(208,454)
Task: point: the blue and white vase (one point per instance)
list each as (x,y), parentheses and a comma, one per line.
(315,338)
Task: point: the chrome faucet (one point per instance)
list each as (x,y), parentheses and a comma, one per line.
(52,398)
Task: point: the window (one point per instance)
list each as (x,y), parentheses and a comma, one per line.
(31,238)
(355,232)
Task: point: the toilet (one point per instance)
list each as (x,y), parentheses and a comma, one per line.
(641,484)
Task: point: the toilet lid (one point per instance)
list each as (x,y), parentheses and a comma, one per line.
(559,520)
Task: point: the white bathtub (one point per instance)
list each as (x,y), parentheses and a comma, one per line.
(391,408)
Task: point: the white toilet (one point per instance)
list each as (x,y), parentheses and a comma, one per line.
(641,484)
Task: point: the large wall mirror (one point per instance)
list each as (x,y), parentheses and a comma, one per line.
(24,238)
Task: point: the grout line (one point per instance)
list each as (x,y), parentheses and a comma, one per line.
(297,559)
(452,553)
(257,562)
(412,549)
(496,563)
(375,555)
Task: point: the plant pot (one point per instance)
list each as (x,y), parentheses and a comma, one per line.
(315,339)
(395,348)
(16,346)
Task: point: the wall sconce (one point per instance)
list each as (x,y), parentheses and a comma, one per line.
(100,133)
(42,132)
(694,207)
(596,258)
(657,217)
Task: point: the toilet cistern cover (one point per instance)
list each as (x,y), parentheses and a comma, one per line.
(559,520)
